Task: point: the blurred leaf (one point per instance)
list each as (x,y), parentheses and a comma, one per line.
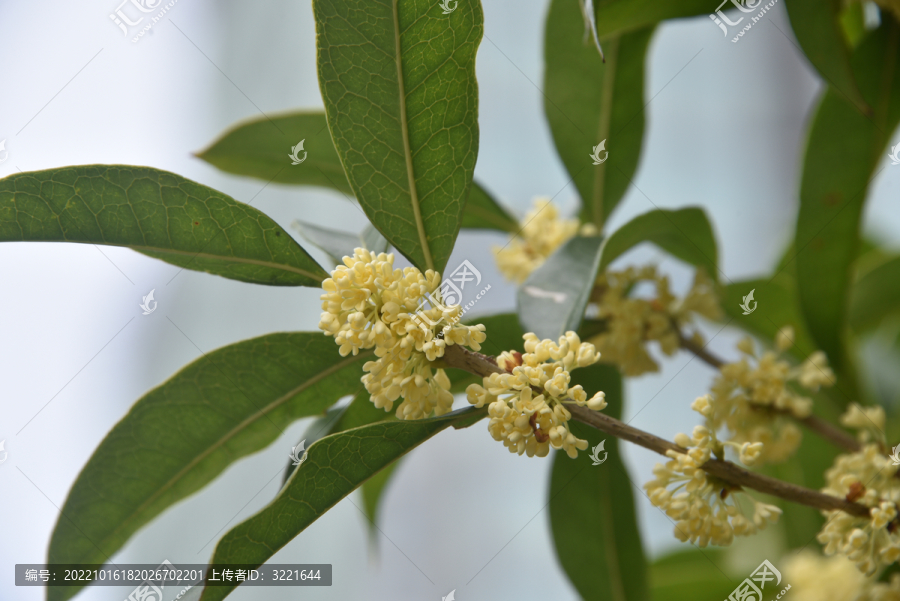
(853,23)
(817,26)
(620,16)
(553,298)
(843,151)
(261,148)
(372,491)
(875,295)
(592,513)
(693,575)
(157,213)
(398,81)
(503,334)
(484,213)
(256,148)
(338,245)
(587,101)
(226,405)
(777,306)
(335,467)
(684,233)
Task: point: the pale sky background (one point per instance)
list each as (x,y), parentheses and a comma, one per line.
(726,128)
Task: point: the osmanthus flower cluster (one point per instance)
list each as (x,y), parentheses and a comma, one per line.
(542,233)
(368,304)
(527,404)
(752,399)
(632,322)
(868,477)
(707,510)
(816,578)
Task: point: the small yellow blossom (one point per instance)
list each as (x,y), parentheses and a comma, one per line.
(816,578)
(868,420)
(526,404)
(368,304)
(542,233)
(632,322)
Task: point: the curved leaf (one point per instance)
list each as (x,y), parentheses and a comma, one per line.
(684,233)
(484,213)
(842,153)
(228,404)
(620,16)
(335,467)
(261,147)
(875,295)
(553,298)
(157,213)
(398,81)
(592,511)
(818,28)
(338,245)
(587,101)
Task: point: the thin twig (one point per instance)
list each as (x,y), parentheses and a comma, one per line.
(481,365)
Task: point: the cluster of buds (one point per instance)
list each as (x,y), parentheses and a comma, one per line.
(368,304)
(526,404)
(632,322)
(542,233)
(752,400)
(817,578)
(707,510)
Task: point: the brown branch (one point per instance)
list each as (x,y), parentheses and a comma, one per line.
(823,428)
(481,365)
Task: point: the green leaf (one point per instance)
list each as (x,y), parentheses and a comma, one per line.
(553,298)
(684,233)
(620,16)
(875,295)
(157,213)
(484,213)
(261,147)
(398,81)
(587,101)
(817,26)
(592,513)
(226,405)
(691,575)
(335,467)
(338,245)
(842,153)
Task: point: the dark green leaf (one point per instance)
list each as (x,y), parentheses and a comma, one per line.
(587,102)
(843,151)
(875,295)
(157,213)
(260,148)
(620,16)
(592,512)
(338,245)
(484,213)
(228,404)
(684,233)
(817,25)
(335,467)
(398,81)
(693,575)
(553,298)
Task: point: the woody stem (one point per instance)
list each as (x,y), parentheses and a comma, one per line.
(481,365)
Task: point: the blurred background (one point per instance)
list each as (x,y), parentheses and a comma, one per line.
(726,126)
